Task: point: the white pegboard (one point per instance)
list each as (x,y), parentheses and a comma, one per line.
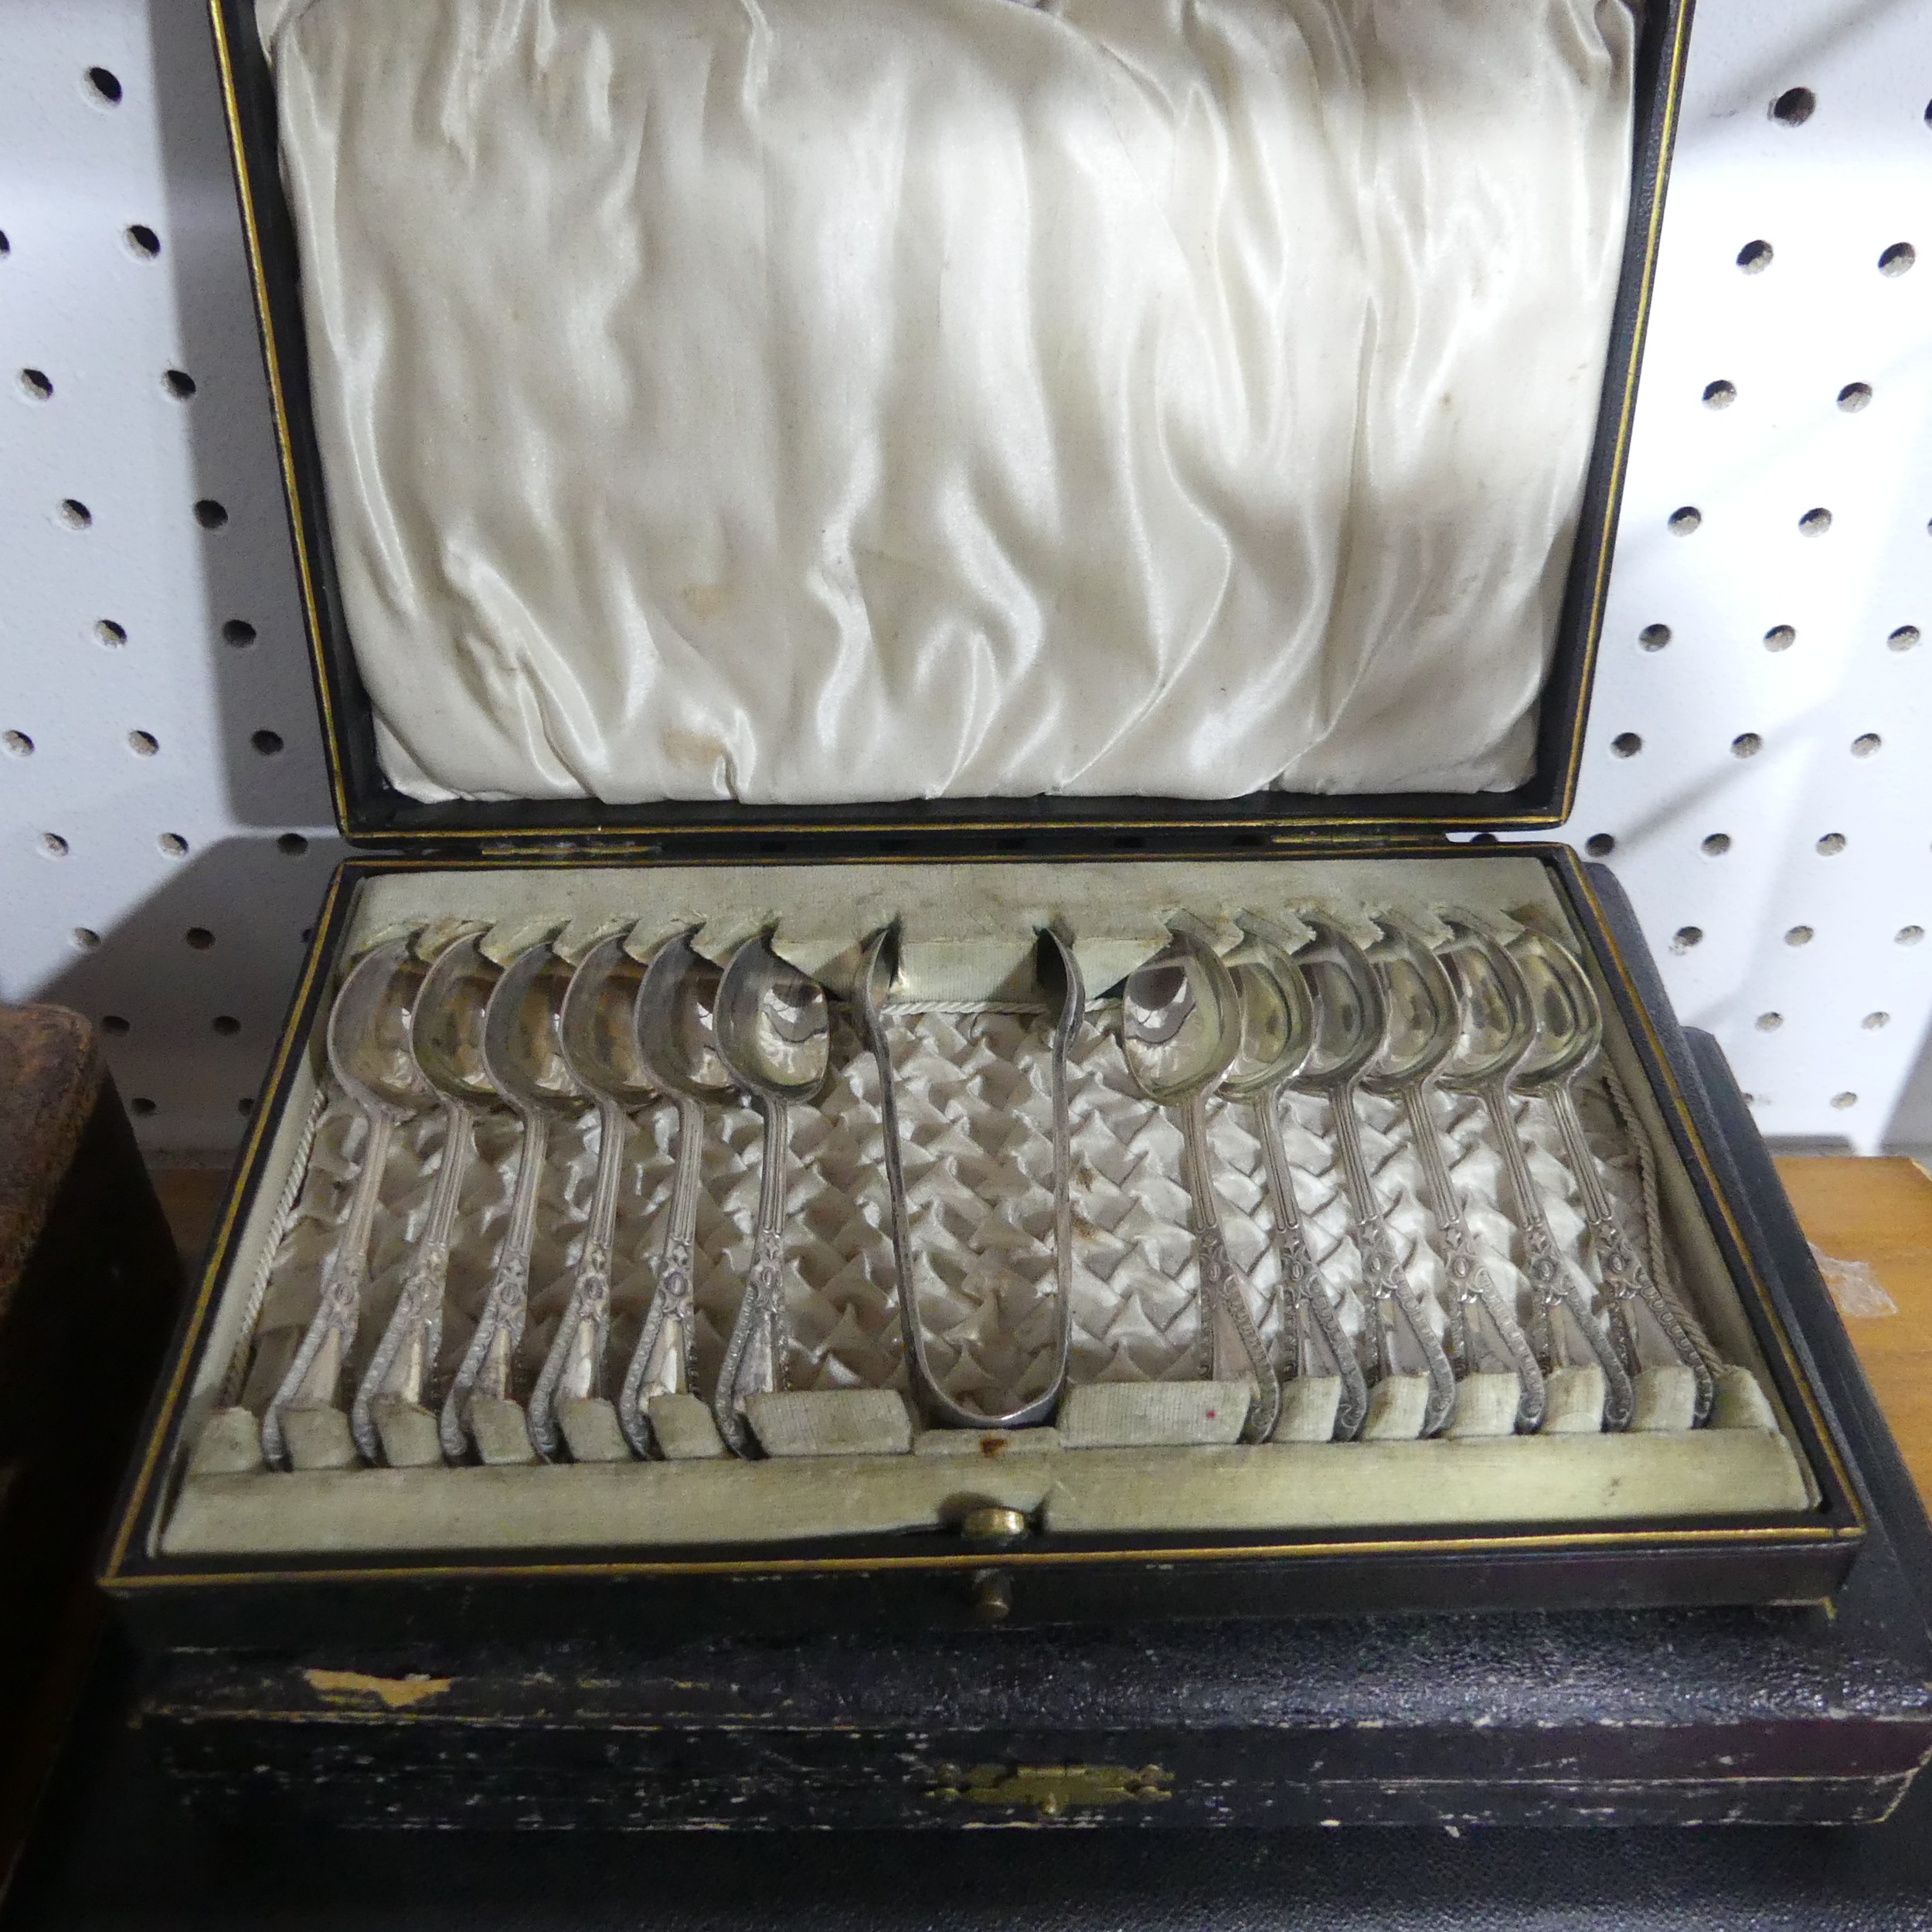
(210,838)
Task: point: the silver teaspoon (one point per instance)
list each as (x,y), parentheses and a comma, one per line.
(1421,1034)
(446,1037)
(597,1030)
(1350,1020)
(1278,1032)
(1497,1030)
(774,1032)
(522,1051)
(368,1054)
(1180,1031)
(1569,1033)
(677,1043)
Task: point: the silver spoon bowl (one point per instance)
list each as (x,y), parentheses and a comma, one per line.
(1277,1033)
(1423,1026)
(1180,1032)
(677,1045)
(597,1032)
(369,1057)
(773,1032)
(523,1054)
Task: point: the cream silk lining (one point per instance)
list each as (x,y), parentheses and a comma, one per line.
(805,400)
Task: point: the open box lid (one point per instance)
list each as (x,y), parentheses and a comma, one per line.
(372,811)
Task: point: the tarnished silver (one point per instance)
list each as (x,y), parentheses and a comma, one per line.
(1569,1036)
(523,1054)
(1497,1029)
(1180,1031)
(368,1054)
(1351,1020)
(774,1032)
(677,1044)
(1277,1033)
(446,1037)
(1058,973)
(597,1031)
(1423,1024)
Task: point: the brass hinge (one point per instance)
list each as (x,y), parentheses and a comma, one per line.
(1053,1790)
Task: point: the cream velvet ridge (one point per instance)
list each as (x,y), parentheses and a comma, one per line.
(844,399)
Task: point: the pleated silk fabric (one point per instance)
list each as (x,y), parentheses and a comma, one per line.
(809,400)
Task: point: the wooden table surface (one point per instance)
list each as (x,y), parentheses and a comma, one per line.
(1878,1212)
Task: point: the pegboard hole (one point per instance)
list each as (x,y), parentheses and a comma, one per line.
(1799,936)
(308,933)
(173,844)
(1866,744)
(19,744)
(114,1023)
(1897,259)
(1872,1021)
(1794,107)
(1717,845)
(1780,636)
(1854,396)
(1754,257)
(199,937)
(54,845)
(178,384)
(1599,844)
(240,634)
(1683,521)
(210,514)
(1654,637)
(110,633)
(143,744)
(1686,937)
(1831,845)
(1815,522)
(246,1104)
(75,514)
(104,86)
(36,384)
(1626,744)
(227,1025)
(86,938)
(1747,744)
(293,843)
(1719,396)
(143,241)
(1903,638)
(6,246)
(141,1107)
(1770,1023)
(1909,935)
(1841,1101)
(267,743)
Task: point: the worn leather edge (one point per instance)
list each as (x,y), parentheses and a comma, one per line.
(51,1076)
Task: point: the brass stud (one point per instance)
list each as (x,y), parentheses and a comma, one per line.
(993,1525)
(992,1596)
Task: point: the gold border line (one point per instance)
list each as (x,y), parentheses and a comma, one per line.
(284,441)
(1742,1246)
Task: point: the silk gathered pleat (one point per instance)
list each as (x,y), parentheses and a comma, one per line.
(809,400)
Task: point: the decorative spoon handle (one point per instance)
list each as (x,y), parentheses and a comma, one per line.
(661,1363)
(1470,1281)
(1307,1294)
(1549,1279)
(315,1376)
(486,1362)
(575,1364)
(754,1357)
(1235,1348)
(1383,1279)
(1626,1280)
